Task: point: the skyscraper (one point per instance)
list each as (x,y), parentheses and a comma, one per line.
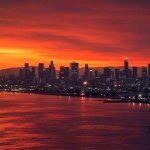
(33,74)
(117,73)
(52,72)
(64,73)
(26,72)
(148,70)
(135,72)
(41,73)
(74,70)
(86,72)
(107,72)
(21,74)
(144,72)
(126,68)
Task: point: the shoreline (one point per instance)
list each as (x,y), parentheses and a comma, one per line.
(106,99)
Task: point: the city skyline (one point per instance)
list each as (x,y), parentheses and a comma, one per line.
(71,71)
(96,32)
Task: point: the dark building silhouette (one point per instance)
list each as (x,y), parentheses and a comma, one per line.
(64,73)
(107,72)
(52,72)
(21,74)
(135,72)
(74,70)
(27,74)
(148,70)
(41,72)
(117,73)
(91,74)
(96,74)
(33,74)
(126,68)
(144,72)
(86,72)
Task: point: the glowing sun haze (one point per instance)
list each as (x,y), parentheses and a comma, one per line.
(97,32)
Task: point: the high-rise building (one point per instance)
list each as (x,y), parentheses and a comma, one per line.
(144,72)
(74,70)
(96,74)
(33,74)
(52,72)
(148,70)
(126,68)
(21,74)
(41,73)
(134,72)
(27,72)
(91,74)
(117,73)
(86,72)
(64,73)
(107,72)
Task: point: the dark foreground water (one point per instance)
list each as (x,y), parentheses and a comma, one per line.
(51,122)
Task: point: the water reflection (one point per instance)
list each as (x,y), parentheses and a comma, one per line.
(51,122)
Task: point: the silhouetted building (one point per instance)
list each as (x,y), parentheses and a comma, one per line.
(149,70)
(27,73)
(86,72)
(107,72)
(126,68)
(64,73)
(144,72)
(21,74)
(52,72)
(74,70)
(41,72)
(135,72)
(117,73)
(33,74)
(96,74)
(91,74)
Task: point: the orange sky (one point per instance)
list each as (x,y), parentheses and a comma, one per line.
(87,31)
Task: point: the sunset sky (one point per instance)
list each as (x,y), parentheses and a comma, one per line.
(98,32)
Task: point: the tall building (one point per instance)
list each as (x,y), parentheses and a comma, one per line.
(64,73)
(86,72)
(148,70)
(41,73)
(144,72)
(134,72)
(91,74)
(33,74)
(96,74)
(107,72)
(21,74)
(27,72)
(126,68)
(74,70)
(117,73)
(52,72)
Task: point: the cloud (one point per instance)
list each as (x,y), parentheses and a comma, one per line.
(94,28)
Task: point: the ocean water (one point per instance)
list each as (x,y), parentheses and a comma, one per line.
(39,122)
